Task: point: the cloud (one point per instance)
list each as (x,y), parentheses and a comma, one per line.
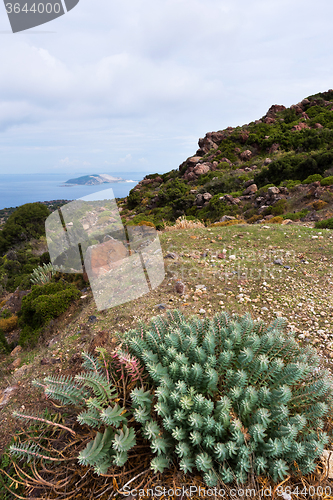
(147,79)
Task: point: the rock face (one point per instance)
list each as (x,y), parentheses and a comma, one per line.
(100,257)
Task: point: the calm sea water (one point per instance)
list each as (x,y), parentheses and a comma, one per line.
(17,189)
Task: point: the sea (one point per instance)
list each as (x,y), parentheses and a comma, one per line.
(18,189)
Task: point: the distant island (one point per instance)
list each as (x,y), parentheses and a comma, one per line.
(93,180)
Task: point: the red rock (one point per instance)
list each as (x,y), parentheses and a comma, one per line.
(318,125)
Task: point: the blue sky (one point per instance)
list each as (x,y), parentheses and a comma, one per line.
(132,85)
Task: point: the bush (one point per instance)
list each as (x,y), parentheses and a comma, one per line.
(312,178)
(297,215)
(231,222)
(26,222)
(233,397)
(279,207)
(327,181)
(4,346)
(325,224)
(254,219)
(276,220)
(319,204)
(8,324)
(146,223)
(43,304)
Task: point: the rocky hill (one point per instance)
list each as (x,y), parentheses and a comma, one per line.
(278,165)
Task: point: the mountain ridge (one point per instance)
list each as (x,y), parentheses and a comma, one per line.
(281,149)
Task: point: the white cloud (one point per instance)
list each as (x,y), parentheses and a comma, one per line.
(147,79)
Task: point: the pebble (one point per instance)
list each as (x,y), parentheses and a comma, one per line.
(232,257)
(92,319)
(278,262)
(171,255)
(202,311)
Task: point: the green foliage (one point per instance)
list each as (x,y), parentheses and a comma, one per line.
(325,224)
(92,394)
(133,199)
(296,215)
(26,222)
(279,207)
(295,167)
(4,346)
(43,304)
(233,395)
(312,178)
(327,181)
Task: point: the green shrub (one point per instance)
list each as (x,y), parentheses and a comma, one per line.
(41,305)
(233,396)
(26,222)
(327,181)
(290,185)
(297,215)
(4,346)
(279,207)
(312,178)
(325,224)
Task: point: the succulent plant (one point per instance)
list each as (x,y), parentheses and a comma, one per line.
(231,396)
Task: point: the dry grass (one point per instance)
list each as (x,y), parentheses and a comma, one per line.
(183,223)
(8,324)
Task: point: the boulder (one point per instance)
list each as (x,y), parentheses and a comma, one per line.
(190,176)
(267,161)
(273,190)
(300,126)
(226,218)
(207,196)
(269,120)
(274,147)
(318,125)
(193,160)
(246,155)
(248,183)
(199,199)
(201,169)
(287,221)
(251,189)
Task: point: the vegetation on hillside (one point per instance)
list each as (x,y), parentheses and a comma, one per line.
(283,148)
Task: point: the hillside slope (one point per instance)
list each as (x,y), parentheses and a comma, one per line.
(231,172)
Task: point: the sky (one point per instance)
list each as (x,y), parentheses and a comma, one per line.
(131,85)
